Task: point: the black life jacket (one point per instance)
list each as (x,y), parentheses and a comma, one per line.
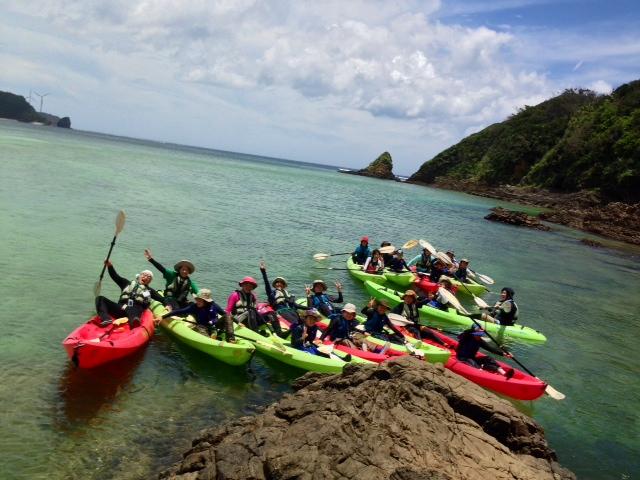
(178,289)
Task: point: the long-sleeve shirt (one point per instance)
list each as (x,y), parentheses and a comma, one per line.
(379,264)
(206,315)
(339,327)
(271,295)
(316,299)
(301,334)
(360,254)
(468,346)
(233,299)
(376,322)
(170,275)
(124,283)
(398,264)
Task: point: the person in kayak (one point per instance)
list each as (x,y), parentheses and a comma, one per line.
(462,272)
(470,342)
(424,263)
(317,297)
(409,310)
(279,298)
(452,257)
(362,251)
(377,320)
(178,282)
(374,264)
(242,308)
(398,263)
(211,319)
(342,326)
(304,336)
(386,257)
(438,269)
(135,298)
(505,311)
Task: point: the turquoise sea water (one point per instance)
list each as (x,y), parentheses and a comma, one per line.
(59,196)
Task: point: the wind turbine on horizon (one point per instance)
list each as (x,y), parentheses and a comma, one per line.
(41,98)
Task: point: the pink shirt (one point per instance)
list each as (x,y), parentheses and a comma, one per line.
(233,299)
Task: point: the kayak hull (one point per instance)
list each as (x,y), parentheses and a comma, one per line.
(468,288)
(402,279)
(356,272)
(433,316)
(90,345)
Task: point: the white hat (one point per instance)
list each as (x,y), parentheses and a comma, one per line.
(349,307)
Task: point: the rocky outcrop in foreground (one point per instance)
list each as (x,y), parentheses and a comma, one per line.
(404,419)
(381,167)
(520,219)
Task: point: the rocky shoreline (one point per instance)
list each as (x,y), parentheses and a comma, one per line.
(584,210)
(403,419)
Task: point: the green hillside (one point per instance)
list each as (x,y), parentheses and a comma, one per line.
(577,140)
(16,107)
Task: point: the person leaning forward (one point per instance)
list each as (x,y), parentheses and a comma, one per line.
(135,297)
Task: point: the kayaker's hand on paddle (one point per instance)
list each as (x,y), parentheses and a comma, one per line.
(147,254)
(108,263)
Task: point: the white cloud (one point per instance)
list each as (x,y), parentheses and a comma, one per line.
(600,86)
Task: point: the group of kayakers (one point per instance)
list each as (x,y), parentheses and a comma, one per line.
(302,317)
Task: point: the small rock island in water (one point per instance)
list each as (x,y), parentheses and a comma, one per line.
(402,419)
(16,107)
(381,167)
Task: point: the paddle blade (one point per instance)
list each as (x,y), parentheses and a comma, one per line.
(120,219)
(553,393)
(480,302)
(326,349)
(428,246)
(486,279)
(387,249)
(398,320)
(96,288)
(449,297)
(444,258)
(320,256)
(409,244)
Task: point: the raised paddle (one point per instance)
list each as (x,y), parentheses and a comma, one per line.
(120,219)
(323,256)
(549,390)
(409,244)
(430,248)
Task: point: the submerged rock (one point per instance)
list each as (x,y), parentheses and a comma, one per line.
(499,214)
(403,419)
(381,167)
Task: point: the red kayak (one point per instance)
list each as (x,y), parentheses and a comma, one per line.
(90,345)
(423,284)
(521,386)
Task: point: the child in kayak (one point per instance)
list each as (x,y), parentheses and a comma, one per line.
(211,319)
(178,282)
(342,326)
(505,311)
(317,297)
(374,264)
(362,251)
(134,299)
(377,320)
(304,336)
(279,298)
(469,342)
(409,310)
(398,263)
(242,307)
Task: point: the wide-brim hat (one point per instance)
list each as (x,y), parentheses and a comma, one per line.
(250,280)
(444,278)
(279,279)
(384,302)
(320,282)
(184,263)
(204,294)
(349,307)
(312,312)
(465,260)
(409,293)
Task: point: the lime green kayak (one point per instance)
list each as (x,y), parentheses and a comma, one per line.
(432,353)
(402,279)
(470,288)
(231,353)
(282,351)
(432,316)
(356,272)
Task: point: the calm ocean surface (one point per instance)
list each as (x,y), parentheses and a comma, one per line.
(59,196)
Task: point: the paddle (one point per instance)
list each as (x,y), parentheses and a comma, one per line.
(120,219)
(323,256)
(549,390)
(409,244)
(483,278)
(431,249)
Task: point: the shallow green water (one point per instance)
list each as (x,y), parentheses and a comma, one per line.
(59,195)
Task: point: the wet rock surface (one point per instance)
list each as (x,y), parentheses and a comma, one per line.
(520,219)
(381,167)
(404,419)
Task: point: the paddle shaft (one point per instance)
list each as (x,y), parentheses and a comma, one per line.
(104,267)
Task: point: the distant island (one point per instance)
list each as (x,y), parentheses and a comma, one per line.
(381,167)
(577,154)
(16,107)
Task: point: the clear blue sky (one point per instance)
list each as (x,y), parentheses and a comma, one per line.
(325,81)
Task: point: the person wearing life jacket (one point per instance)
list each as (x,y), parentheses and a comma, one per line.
(398,263)
(178,282)
(279,297)
(462,272)
(409,309)
(362,251)
(377,321)
(135,298)
(317,297)
(374,264)
(386,257)
(242,308)
(505,311)
(211,319)
(470,342)
(342,326)
(452,256)
(438,269)
(304,336)
(424,263)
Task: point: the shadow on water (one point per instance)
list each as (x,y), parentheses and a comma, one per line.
(84,392)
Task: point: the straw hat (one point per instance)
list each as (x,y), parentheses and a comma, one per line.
(320,282)
(184,263)
(349,307)
(279,279)
(204,294)
(409,293)
(312,312)
(384,302)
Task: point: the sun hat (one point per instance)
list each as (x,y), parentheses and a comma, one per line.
(321,282)
(384,302)
(349,307)
(184,263)
(409,293)
(204,294)
(444,278)
(465,260)
(279,279)
(312,312)
(250,280)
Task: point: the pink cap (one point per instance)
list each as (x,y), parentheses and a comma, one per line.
(250,280)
